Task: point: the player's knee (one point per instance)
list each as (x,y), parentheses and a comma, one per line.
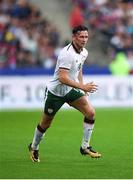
(90,116)
(92,113)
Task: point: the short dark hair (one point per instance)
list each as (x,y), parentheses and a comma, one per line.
(79,28)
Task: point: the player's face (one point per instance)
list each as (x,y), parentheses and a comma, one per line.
(80,39)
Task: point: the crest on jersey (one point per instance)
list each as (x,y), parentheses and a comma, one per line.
(50,110)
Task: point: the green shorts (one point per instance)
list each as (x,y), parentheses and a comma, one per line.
(53,103)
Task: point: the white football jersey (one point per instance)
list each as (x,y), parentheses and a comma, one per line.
(69,59)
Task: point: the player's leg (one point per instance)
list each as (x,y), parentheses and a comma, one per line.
(52,105)
(88,111)
(83,105)
(38,136)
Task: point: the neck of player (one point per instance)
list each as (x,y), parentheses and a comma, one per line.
(77,48)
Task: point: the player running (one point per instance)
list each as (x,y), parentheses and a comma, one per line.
(67,86)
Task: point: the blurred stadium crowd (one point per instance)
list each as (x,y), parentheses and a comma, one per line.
(113,19)
(28,39)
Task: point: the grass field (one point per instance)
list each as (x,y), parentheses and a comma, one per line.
(59,154)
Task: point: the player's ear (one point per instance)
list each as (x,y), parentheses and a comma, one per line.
(73,35)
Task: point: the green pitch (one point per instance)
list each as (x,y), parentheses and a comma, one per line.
(59,154)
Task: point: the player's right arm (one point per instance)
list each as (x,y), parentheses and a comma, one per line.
(65,79)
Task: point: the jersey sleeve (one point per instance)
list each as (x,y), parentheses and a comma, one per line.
(65,61)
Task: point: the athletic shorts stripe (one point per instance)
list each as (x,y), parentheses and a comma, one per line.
(45,95)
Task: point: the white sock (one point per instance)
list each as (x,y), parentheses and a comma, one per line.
(88,128)
(38,136)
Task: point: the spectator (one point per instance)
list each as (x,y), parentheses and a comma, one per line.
(76,16)
(21,10)
(119,66)
(114,21)
(22,28)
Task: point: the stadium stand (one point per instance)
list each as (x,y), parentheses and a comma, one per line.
(28,39)
(112,25)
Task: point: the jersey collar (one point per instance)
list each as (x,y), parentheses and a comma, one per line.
(78,51)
